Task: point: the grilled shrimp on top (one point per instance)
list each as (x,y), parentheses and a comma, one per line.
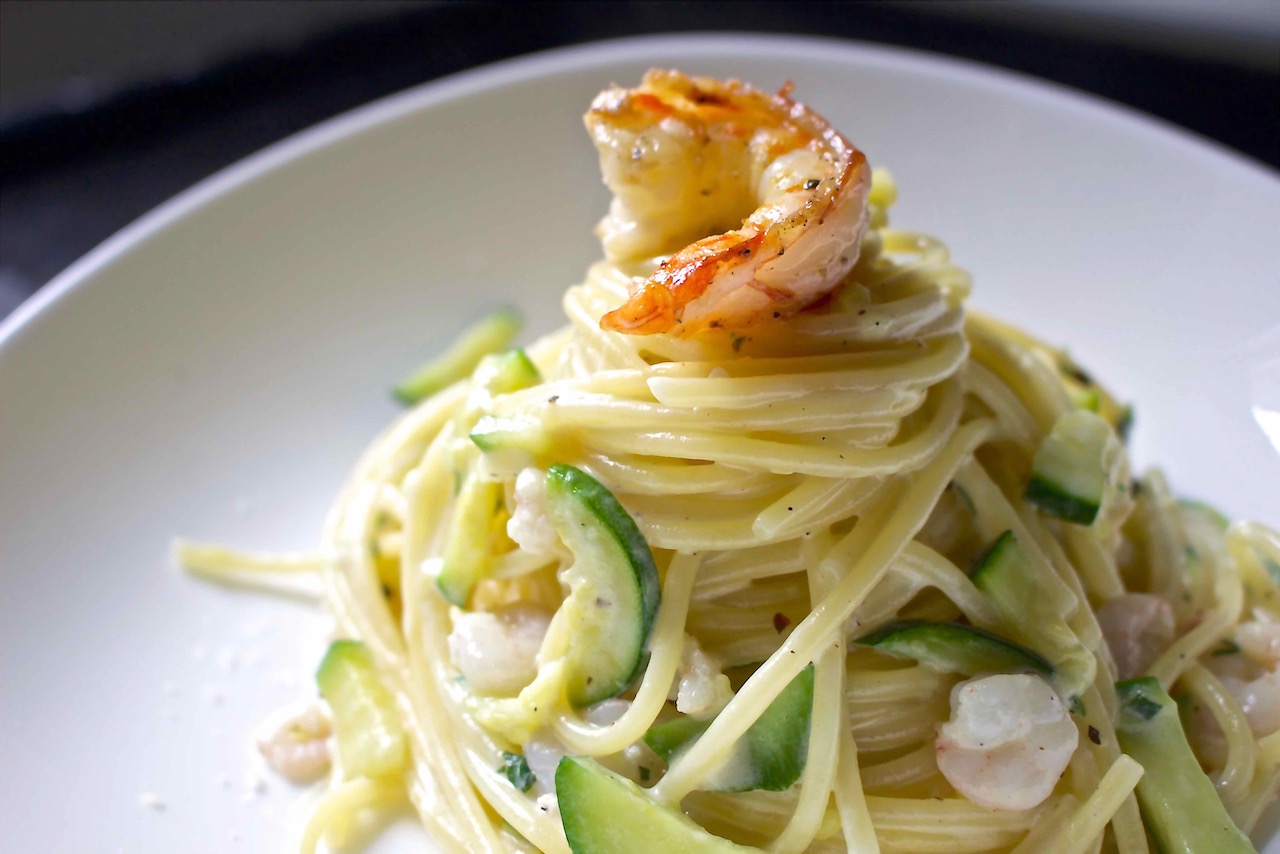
(781,194)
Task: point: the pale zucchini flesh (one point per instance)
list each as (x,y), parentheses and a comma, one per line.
(603,813)
(613,582)
(371,740)
(956,648)
(1070,471)
(1180,806)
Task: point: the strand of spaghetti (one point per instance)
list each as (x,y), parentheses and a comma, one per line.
(892,686)
(1126,824)
(212,560)
(937,363)
(1237,772)
(1268,754)
(812,499)
(862,370)
(821,757)
(1032,379)
(1167,561)
(932,569)
(425,510)
(1083,829)
(1094,566)
(913,767)
(880,536)
(851,803)
(666,648)
(1050,824)
(1261,796)
(889,728)
(1216,623)
(727,524)
(813,412)
(332,816)
(827,720)
(1007,408)
(399,447)
(787,458)
(996,515)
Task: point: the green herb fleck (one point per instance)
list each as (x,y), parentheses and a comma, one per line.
(516,769)
(1077,707)
(1227,647)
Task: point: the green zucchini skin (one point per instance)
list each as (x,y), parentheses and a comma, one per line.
(1070,473)
(603,813)
(1056,502)
(371,739)
(1006,575)
(955,648)
(614,587)
(773,751)
(1180,806)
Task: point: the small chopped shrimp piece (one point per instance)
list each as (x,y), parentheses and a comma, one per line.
(1259,640)
(497,652)
(529,526)
(1008,741)
(1252,675)
(762,202)
(1137,627)
(299,748)
(702,690)
(1259,699)
(543,753)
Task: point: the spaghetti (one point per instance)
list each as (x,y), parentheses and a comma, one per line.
(811,488)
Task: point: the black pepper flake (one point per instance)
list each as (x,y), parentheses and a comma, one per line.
(780,622)
(1094,735)
(777,314)
(812,184)
(553,398)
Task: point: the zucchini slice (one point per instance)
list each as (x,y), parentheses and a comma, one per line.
(613,585)
(1008,578)
(1072,467)
(955,648)
(772,752)
(371,740)
(1179,803)
(468,555)
(603,813)
(490,333)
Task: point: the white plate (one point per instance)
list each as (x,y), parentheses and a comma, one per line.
(215,369)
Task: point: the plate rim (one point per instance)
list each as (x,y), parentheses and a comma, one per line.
(462,84)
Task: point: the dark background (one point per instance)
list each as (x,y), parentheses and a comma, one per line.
(95,132)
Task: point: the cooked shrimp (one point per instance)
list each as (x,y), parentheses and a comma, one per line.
(781,194)
(702,690)
(299,748)
(1252,673)
(1137,628)
(497,652)
(1008,741)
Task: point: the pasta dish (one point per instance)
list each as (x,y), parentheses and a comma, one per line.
(777,546)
